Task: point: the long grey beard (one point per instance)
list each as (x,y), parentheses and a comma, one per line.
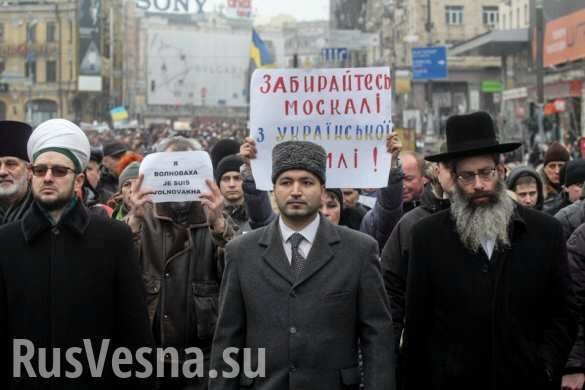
(477,224)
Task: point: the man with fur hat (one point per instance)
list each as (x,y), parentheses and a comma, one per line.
(489,303)
(305,290)
(181,256)
(15,196)
(65,275)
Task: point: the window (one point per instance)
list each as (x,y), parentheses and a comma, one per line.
(518,18)
(454,14)
(1,32)
(490,16)
(526,15)
(30,70)
(51,71)
(504,27)
(51,32)
(31,32)
(2,66)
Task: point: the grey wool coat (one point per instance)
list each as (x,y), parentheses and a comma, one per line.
(309,325)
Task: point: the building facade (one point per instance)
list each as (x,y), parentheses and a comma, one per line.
(38,68)
(408,24)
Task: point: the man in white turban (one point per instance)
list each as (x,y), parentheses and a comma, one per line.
(61,148)
(77,272)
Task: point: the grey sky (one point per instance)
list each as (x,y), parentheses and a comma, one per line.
(300,9)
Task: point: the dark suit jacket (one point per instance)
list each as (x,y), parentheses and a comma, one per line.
(309,326)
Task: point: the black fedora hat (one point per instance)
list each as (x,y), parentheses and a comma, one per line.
(14,136)
(471,135)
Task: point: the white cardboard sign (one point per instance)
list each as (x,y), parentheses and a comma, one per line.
(176,176)
(347,111)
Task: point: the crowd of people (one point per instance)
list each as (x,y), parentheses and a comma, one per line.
(463,272)
(207,131)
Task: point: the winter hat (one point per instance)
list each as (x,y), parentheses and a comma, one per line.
(62,136)
(336,192)
(130,172)
(114,149)
(14,137)
(230,163)
(299,155)
(556,152)
(222,149)
(574,172)
(97,155)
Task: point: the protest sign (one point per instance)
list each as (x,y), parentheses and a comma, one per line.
(176,176)
(347,111)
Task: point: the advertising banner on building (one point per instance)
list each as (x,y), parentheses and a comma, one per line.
(197,68)
(90,59)
(171,6)
(239,8)
(564,39)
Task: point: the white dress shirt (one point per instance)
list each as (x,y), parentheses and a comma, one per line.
(488,247)
(308,233)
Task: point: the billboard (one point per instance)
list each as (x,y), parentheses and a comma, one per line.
(564,39)
(171,6)
(197,68)
(239,8)
(90,58)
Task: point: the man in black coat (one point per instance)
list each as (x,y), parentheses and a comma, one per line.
(306,291)
(15,196)
(489,302)
(68,279)
(395,255)
(575,367)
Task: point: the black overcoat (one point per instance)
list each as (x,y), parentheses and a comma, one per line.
(504,323)
(62,284)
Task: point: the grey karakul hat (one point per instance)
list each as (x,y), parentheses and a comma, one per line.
(299,155)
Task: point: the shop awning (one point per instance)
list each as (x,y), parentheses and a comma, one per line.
(495,43)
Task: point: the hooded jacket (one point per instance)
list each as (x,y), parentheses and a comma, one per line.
(523,171)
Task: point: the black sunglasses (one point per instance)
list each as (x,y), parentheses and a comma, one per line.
(40,170)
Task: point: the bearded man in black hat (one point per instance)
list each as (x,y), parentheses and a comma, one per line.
(15,195)
(489,302)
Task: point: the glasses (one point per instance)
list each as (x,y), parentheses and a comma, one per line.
(40,170)
(485,174)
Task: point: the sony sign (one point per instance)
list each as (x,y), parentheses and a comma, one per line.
(172,6)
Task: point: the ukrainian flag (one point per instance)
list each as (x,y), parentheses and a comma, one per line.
(259,54)
(119,114)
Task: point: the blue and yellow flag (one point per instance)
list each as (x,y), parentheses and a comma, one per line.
(259,53)
(119,114)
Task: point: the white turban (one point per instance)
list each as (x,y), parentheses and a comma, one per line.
(63,136)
